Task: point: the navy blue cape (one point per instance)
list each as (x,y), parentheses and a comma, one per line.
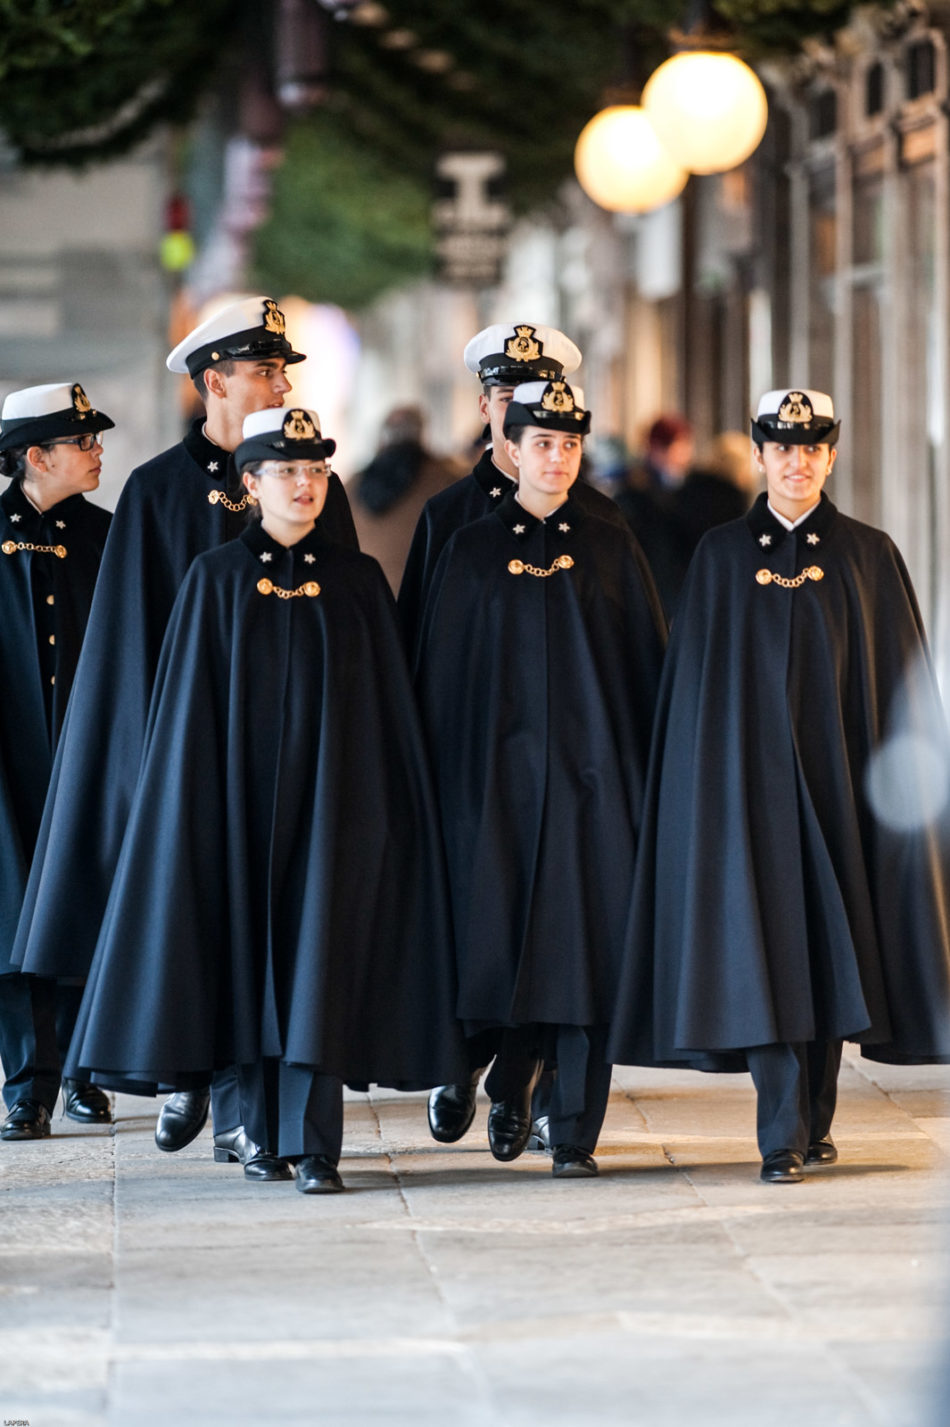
(280,890)
(772,902)
(537,695)
(169,512)
(45,601)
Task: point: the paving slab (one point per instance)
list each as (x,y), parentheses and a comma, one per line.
(139,1289)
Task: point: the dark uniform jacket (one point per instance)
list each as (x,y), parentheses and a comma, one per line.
(793,873)
(468,499)
(537,691)
(171,510)
(44,605)
(280,890)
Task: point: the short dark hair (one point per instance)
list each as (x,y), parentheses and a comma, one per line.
(198,380)
(13,462)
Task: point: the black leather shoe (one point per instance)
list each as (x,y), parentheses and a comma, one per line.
(86,1103)
(266,1168)
(234,1146)
(822,1152)
(237,1147)
(509,1126)
(573,1162)
(451,1111)
(26,1120)
(181,1119)
(540,1136)
(782,1167)
(318,1175)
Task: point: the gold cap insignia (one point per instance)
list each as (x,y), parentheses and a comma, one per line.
(557,398)
(298,426)
(796,409)
(274,318)
(81,401)
(522,347)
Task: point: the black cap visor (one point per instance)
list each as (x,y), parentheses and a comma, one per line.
(257,448)
(577,420)
(40,430)
(252,345)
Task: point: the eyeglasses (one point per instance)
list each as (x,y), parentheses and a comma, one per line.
(85,442)
(289,473)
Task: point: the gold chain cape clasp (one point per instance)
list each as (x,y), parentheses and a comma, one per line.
(216,496)
(10,547)
(266,587)
(810,572)
(518,567)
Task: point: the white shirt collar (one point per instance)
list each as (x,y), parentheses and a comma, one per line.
(792,524)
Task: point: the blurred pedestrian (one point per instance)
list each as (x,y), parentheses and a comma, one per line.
(387,497)
(648,501)
(52,542)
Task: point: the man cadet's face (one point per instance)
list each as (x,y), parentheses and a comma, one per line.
(492,408)
(794,474)
(255,386)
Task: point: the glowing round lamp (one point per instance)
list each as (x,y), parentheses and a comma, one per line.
(621,164)
(709,110)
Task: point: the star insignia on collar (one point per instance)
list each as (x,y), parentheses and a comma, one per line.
(765,540)
(519,529)
(309,559)
(265,556)
(212,465)
(495,491)
(14,518)
(813,539)
(60,525)
(564,526)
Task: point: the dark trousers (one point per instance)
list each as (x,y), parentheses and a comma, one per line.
(797,1089)
(291,1111)
(37,1020)
(575,1097)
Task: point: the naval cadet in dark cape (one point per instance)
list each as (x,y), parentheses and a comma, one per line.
(187,500)
(501,356)
(51,544)
(279,903)
(792,883)
(538,669)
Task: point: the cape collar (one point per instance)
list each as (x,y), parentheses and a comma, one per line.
(23,515)
(769,533)
(217,464)
(270,553)
(562,523)
(494,484)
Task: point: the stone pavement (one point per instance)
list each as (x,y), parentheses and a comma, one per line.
(139,1289)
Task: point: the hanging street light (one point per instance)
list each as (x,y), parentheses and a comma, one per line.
(708,108)
(621,164)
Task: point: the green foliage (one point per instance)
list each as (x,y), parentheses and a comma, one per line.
(87,79)
(344,224)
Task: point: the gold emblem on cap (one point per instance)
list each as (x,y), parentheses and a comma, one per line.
(81,403)
(274,318)
(298,426)
(557,398)
(796,409)
(522,347)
